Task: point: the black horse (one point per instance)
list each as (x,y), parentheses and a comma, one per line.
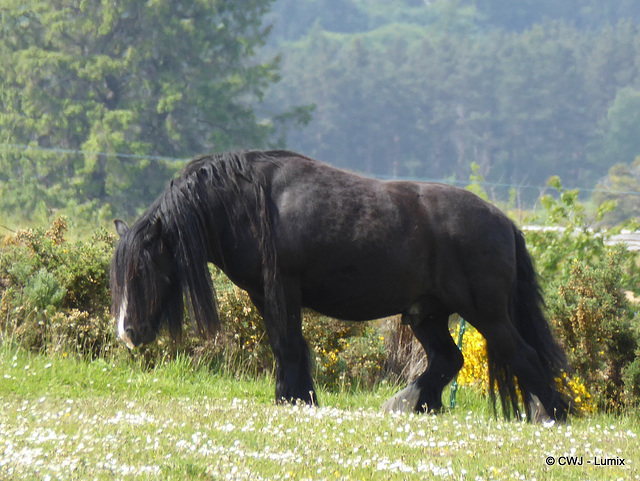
(294,232)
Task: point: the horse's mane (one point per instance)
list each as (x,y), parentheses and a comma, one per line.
(189,227)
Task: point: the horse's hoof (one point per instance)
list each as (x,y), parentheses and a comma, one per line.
(406,401)
(539,414)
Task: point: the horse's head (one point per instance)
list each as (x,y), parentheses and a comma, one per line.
(145,290)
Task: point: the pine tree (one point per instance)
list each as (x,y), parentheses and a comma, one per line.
(127,82)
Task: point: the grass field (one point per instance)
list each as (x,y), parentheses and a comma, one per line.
(61,418)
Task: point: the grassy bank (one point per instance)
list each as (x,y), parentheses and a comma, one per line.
(61,418)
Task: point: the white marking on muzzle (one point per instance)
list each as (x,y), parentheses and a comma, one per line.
(122,312)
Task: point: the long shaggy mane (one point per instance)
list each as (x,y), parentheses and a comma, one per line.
(188,227)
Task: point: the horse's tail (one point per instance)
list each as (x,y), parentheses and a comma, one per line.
(526,304)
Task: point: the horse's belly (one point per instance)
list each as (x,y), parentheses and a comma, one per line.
(366,298)
(355,312)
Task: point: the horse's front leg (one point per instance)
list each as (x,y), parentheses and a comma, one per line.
(293,361)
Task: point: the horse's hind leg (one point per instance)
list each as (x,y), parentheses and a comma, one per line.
(514,359)
(444,362)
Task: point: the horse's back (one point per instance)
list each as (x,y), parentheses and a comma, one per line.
(324,192)
(372,247)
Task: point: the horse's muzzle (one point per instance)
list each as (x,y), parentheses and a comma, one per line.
(128,336)
(134,339)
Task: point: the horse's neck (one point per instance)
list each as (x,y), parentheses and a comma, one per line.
(222,224)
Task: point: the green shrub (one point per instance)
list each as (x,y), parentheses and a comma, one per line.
(347,354)
(54,293)
(596,325)
(568,233)
(243,344)
(631,375)
(584,281)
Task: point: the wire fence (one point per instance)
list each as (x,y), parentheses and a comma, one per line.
(483,183)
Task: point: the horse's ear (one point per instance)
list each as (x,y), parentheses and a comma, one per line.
(121,227)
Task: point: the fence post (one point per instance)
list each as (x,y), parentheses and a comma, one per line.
(454,385)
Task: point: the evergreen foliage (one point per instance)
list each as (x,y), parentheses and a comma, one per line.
(95,94)
(525,90)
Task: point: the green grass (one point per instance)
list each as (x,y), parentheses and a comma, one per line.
(62,418)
